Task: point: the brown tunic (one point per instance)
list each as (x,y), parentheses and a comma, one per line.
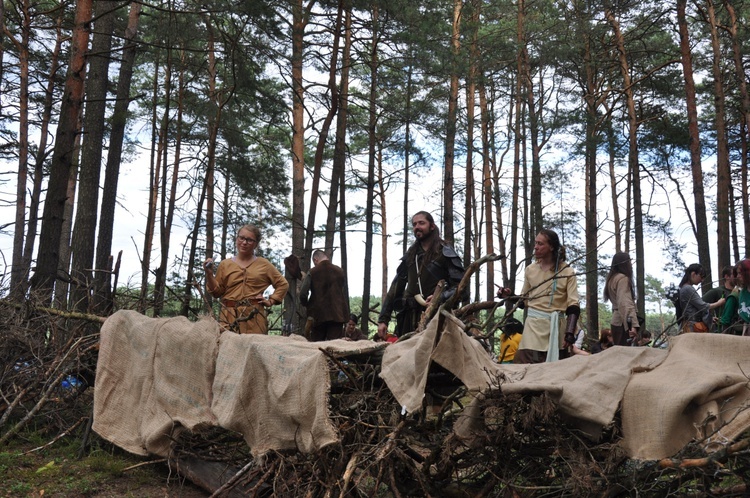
(237,285)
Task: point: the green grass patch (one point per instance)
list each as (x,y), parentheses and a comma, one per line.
(56,471)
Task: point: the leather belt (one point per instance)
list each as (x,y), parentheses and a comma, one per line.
(233,304)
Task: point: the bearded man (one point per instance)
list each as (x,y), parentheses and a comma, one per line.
(428,261)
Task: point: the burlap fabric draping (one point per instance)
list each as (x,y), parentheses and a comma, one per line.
(701,390)
(665,395)
(156,377)
(153,378)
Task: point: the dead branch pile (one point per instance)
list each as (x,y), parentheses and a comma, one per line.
(526,449)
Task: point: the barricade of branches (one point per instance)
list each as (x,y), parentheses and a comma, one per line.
(48,360)
(524,448)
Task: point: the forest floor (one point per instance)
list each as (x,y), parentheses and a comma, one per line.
(28,470)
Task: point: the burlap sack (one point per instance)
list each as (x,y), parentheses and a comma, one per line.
(274,391)
(153,378)
(700,391)
(157,376)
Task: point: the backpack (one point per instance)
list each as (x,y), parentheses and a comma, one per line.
(673,294)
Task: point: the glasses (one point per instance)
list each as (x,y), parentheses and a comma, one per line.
(246,240)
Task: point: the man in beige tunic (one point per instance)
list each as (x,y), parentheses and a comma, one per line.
(550,296)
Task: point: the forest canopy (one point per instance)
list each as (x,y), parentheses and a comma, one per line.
(622,126)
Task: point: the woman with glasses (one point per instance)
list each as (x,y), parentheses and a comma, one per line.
(240,282)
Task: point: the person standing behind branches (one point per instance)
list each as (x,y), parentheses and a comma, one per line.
(351,331)
(743,278)
(509,340)
(695,311)
(324,294)
(550,294)
(724,290)
(428,261)
(728,321)
(240,283)
(620,291)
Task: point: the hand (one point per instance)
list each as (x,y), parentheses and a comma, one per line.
(503,292)
(382,330)
(569,340)
(208,264)
(262,301)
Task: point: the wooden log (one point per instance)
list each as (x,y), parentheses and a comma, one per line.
(213,475)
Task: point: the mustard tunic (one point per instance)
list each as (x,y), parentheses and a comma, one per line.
(237,285)
(537,289)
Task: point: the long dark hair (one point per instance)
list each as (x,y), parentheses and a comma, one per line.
(694,268)
(511,327)
(436,244)
(620,264)
(558,250)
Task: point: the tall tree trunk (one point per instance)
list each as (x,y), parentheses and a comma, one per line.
(592,259)
(299,21)
(339,153)
(84,230)
(63,157)
(63,284)
(633,163)
(342,236)
(384,222)
(535,214)
(371,133)
(701,220)
(190,280)
(613,186)
(470,104)
(514,118)
(450,127)
(214,119)
(159,143)
(407,156)
(169,197)
(495,169)
(41,153)
(745,126)
(487,191)
(18,272)
(723,171)
(102,279)
(323,137)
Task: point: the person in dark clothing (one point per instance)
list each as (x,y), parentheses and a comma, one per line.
(722,291)
(351,331)
(695,311)
(324,294)
(428,261)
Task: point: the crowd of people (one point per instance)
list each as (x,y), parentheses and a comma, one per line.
(724,309)
(549,297)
